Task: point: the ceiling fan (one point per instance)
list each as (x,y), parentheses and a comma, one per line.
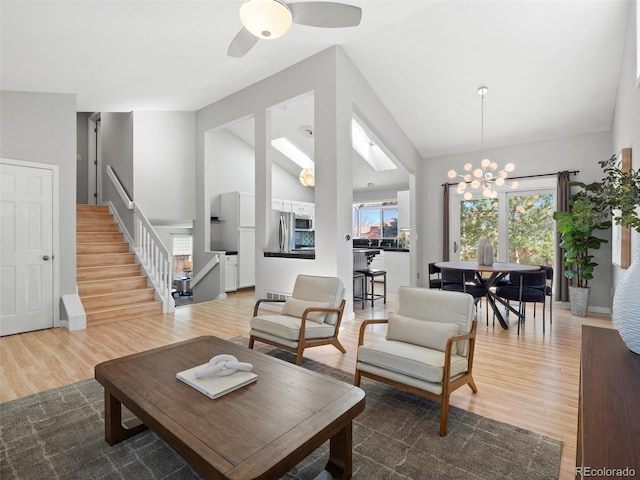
(269,19)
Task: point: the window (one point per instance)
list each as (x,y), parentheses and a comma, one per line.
(375,220)
(519,224)
(182,251)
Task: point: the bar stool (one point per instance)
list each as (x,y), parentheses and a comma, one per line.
(359,289)
(372,273)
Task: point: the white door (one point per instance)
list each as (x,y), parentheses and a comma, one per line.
(26,244)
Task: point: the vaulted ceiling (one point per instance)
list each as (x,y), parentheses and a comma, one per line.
(551,66)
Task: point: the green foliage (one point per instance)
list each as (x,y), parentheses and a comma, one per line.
(478,218)
(531,238)
(576,227)
(620,192)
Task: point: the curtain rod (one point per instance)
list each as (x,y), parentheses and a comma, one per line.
(572,172)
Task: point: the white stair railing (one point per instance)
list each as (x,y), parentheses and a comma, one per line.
(154,257)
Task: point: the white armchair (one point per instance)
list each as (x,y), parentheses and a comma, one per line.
(310,317)
(428,348)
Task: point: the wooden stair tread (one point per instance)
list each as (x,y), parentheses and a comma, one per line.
(111,284)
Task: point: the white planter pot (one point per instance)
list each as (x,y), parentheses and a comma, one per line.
(579,298)
(626,305)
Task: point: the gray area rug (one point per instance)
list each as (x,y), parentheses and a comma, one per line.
(59,434)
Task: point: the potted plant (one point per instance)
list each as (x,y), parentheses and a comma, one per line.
(620,193)
(576,227)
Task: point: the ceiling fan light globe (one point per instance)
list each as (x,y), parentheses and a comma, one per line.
(475,184)
(509,167)
(267,19)
(451,174)
(467,196)
(485,163)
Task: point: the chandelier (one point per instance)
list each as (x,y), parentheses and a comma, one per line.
(487,175)
(307,175)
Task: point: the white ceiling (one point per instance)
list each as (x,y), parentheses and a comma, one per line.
(551,66)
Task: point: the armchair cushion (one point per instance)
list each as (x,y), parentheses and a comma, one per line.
(320,289)
(287,327)
(296,307)
(421,332)
(438,306)
(412,360)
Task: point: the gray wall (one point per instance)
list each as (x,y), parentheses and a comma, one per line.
(41,127)
(626,118)
(82,148)
(164,150)
(116,139)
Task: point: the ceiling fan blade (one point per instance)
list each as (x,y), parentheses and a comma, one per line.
(325,14)
(242,43)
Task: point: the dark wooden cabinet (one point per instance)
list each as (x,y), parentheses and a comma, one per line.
(609,409)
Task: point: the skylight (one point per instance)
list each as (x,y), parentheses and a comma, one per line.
(361,141)
(289,150)
(369,150)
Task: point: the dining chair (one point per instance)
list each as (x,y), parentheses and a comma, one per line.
(548,290)
(526,287)
(463,281)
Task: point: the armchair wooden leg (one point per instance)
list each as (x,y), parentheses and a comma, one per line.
(251,340)
(444,416)
(336,343)
(358,377)
(472,385)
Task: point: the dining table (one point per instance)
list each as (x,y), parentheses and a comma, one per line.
(488,277)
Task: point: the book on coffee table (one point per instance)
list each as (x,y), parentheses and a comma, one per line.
(213,386)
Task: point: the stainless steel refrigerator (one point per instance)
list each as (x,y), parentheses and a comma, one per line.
(282,232)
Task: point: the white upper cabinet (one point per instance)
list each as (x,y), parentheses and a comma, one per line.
(303,209)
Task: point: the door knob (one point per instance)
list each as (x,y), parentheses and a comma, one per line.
(45,258)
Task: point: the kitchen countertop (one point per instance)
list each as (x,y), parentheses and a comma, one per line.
(303,254)
(377,249)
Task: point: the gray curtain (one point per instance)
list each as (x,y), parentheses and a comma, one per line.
(445,222)
(562,205)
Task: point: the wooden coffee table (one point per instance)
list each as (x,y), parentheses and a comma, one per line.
(261,430)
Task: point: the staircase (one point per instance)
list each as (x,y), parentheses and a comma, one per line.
(111,285)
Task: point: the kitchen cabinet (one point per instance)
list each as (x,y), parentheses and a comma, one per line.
(303,209)
(237,215)
(246,257)
(378,261)
(238,208)
(397,267)
(230,273)
(281,205)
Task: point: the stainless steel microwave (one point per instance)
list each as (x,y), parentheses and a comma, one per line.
(304,224)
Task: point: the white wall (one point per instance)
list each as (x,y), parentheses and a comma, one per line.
(574,153)
(41,127)
(164,152)
(338,88)
(626,118)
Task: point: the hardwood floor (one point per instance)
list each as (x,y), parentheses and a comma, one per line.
(530,380)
